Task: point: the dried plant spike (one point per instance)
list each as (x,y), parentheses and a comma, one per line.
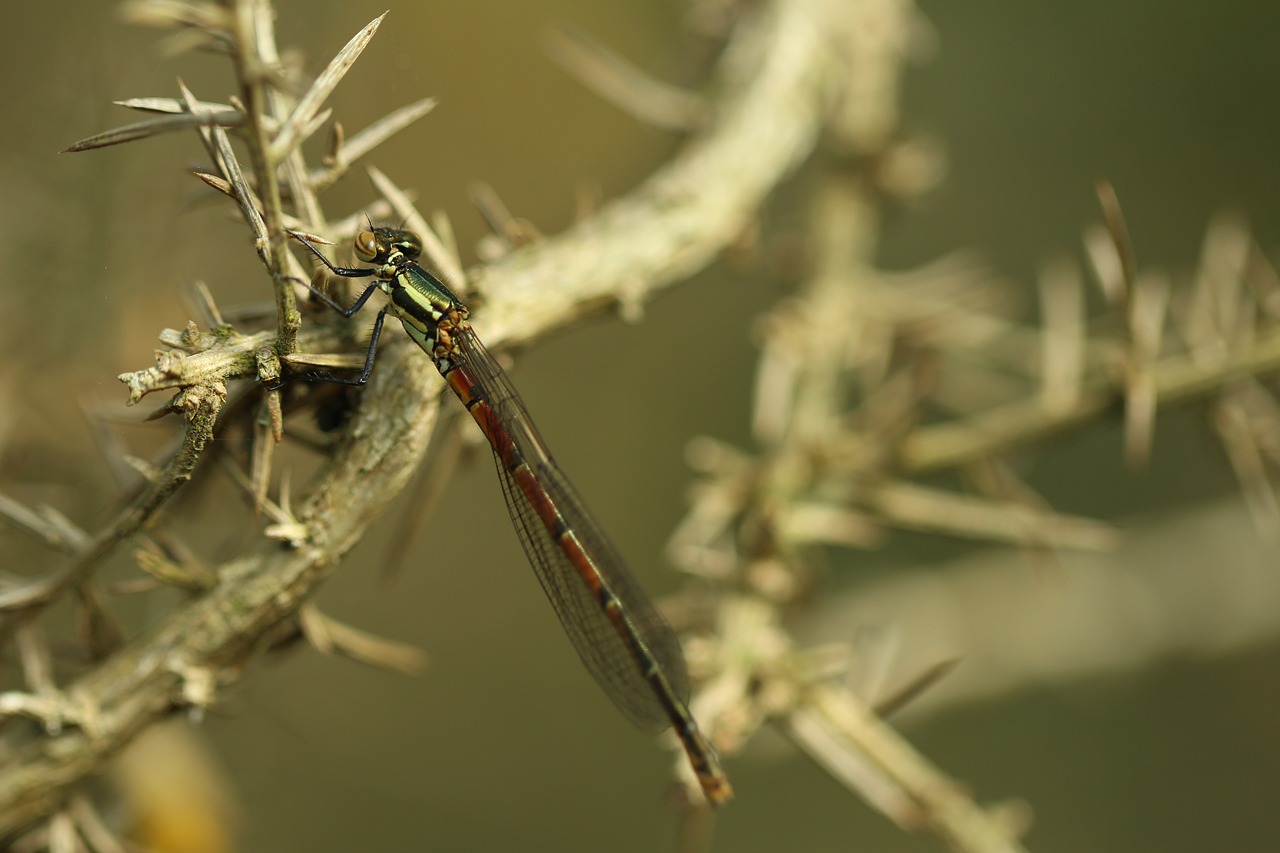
(98,630)
(1119,231)
(207,305)
(378,210)
(1227,248)
(94,827)
(168,572)
(916,687)
(192,105)
(402,206)
(294,129)
(849,767)
(1148,308)
(347,151)
(311,238)
(1226,307)
(337,138)
(30,522)
(249,206)
(1063,341)
(323,361)
(223,186)
(623,84)
(513,232)
(111,447)
(1263,280)
(384,128)
(155,127)
(917,507)
(939,801)
(267,433)
(173,106)
(37,663)
(335,638)
(1101,252)
(1240,441)
(285,526)
(446,263)
(176,14)
(443,228)
(814,521)
(66,531)
(429,486)
(216,182)
(286,492)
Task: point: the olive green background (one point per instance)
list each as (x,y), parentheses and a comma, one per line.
(503,743)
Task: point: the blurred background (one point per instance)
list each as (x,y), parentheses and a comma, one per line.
(503,743)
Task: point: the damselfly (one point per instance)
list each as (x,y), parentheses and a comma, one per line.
(625,643)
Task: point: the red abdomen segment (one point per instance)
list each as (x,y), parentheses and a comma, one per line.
(622,639)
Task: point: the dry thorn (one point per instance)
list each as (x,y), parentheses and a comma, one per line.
(325,361)
(817,523)
(334,638)
(511,232)
(47,525)
(91,825)
(298,126)
(915,687)
(175,106)
(1064,337)
(249,206)
(429,486)
(850,768)
(442,226)
(171,573)
(1148,306)
(346,152)
(154,127)
(1233,425)
(912,787)
(446,263)
(1261,277)
(1121,244)
(33,653)
(623,85)
(919,508)
(267,431)
(378,210)
(177,14)
(286,526)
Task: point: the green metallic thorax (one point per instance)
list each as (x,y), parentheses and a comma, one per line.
(417,298)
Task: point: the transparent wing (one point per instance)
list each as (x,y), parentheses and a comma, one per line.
(617,652)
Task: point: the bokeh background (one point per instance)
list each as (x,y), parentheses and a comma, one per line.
(503,743)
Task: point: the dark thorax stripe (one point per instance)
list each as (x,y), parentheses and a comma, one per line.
(413,305)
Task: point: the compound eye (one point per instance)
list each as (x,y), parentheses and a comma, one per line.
(366,246)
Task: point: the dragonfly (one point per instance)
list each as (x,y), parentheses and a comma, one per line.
(621,637)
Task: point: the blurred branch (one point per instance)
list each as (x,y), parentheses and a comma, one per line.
(776,79)
(1208,592)
(851,372)
(1175,379)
